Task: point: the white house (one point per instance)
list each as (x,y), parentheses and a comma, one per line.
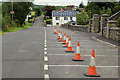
(59,17)
(29,15)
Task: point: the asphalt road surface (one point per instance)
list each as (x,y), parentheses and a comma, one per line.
(36,53)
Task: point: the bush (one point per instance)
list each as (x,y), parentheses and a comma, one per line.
(82,18)
(6,21)
(118,22)
(48,21)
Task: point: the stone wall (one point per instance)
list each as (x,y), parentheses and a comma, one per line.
(114,33)
(77,27)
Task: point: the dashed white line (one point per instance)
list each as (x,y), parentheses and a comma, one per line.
(45,58)
(45,52)
(45,67)
(46,76)
(45,41)
(45,49)
(45,45)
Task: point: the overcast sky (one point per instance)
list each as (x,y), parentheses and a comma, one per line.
(60,2)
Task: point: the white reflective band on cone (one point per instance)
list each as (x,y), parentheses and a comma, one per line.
(58,34)
(66,39)
(69,44)
(77,49)
(92,61)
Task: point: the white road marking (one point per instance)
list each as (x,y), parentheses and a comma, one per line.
(45,41)
(45,58)
(45,52)
(81,55)
(78,66)
(45,67)
(46,76)
(45,45)
(45,49)
(88,49)
(106,42)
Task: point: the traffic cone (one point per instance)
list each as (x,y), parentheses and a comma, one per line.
(61,37)
(64,38)
(92,69)
(55,32)
(69,49)
(66,44)
(77,55)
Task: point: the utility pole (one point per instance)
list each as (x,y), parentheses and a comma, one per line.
(12,12)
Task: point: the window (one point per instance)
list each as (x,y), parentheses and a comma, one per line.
(57,18)
(57,23)
(65,18)
(70,18)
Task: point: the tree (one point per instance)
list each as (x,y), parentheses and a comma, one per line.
(6,21)
(109,12)
(82,18)
(81,5)
(118,22)
(102,7)
(21,10)
(37,11)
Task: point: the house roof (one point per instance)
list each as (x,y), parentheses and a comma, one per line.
(64,14)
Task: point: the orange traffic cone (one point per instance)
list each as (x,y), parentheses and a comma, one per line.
(69,49)
(77,55)
(61,37)
(55,32)
(92,69)
(64,38)
(66,44)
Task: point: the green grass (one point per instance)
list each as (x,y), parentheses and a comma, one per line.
(13,29)
(48,19)
(1,33)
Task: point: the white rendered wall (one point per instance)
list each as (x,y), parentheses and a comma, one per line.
(61,21)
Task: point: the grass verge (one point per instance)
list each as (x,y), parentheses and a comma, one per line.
(1,33)
(13,29)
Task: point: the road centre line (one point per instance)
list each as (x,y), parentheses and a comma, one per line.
(45,58)
(79,66)
(45,45)
(46,76)
(45,49)
(45,67)
(45,52)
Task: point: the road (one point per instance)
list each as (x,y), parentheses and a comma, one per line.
(36,53)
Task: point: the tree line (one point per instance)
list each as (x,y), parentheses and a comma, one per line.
(21,10)
(100,8)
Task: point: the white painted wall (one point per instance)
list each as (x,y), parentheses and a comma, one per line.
(61,21)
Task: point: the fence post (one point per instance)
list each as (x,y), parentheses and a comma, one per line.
(104,20)
(96,24)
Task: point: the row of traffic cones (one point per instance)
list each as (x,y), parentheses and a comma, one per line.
(67,41)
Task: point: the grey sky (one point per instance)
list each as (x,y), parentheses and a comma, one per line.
(60,2)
